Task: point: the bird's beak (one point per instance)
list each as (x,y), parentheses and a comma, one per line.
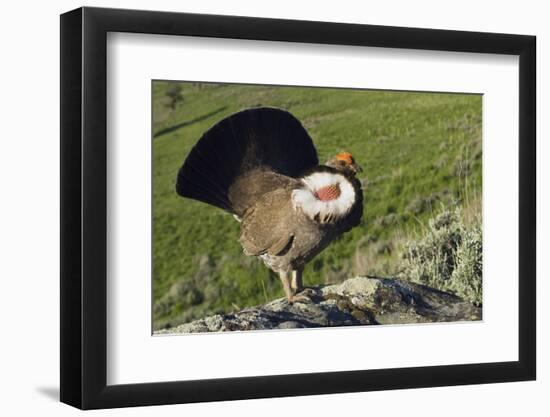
(356,168)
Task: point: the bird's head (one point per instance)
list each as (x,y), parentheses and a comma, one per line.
(344,162)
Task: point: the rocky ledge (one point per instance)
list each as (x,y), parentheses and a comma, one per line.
(357,301)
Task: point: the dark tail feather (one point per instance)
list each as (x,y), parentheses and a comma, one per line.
(267,137)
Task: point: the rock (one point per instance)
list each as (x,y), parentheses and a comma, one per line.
(357,301)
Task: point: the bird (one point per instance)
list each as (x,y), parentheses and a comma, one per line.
(260,165)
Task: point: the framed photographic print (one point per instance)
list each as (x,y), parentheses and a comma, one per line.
(258,207)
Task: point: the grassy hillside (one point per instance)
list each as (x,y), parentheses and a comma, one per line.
(419,152)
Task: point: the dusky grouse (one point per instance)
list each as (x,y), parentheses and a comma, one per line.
(261,166)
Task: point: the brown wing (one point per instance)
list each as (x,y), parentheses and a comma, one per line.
(249,188)
(264,228)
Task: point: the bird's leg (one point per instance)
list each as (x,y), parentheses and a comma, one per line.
(296,283)
(283,275)
(294,290)
(297,287)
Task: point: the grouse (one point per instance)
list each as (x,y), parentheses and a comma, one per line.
(260,165)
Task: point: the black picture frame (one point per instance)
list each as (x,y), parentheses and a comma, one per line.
(84,207)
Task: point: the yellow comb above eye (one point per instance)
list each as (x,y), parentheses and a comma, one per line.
(346,157)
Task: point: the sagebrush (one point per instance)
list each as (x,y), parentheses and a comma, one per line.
(448,257)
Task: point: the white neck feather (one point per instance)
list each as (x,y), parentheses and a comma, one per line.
(330,211)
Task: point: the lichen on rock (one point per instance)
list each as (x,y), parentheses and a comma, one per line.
(356,301)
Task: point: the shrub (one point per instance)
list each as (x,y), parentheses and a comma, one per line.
(174,95)
(448,257)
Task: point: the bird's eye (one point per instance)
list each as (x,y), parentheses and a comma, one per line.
(342,163)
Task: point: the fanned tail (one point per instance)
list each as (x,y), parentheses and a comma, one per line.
(260,137)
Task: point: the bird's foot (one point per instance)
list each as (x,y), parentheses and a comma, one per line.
(304,296)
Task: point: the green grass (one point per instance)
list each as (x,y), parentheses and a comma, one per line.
(418,151)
